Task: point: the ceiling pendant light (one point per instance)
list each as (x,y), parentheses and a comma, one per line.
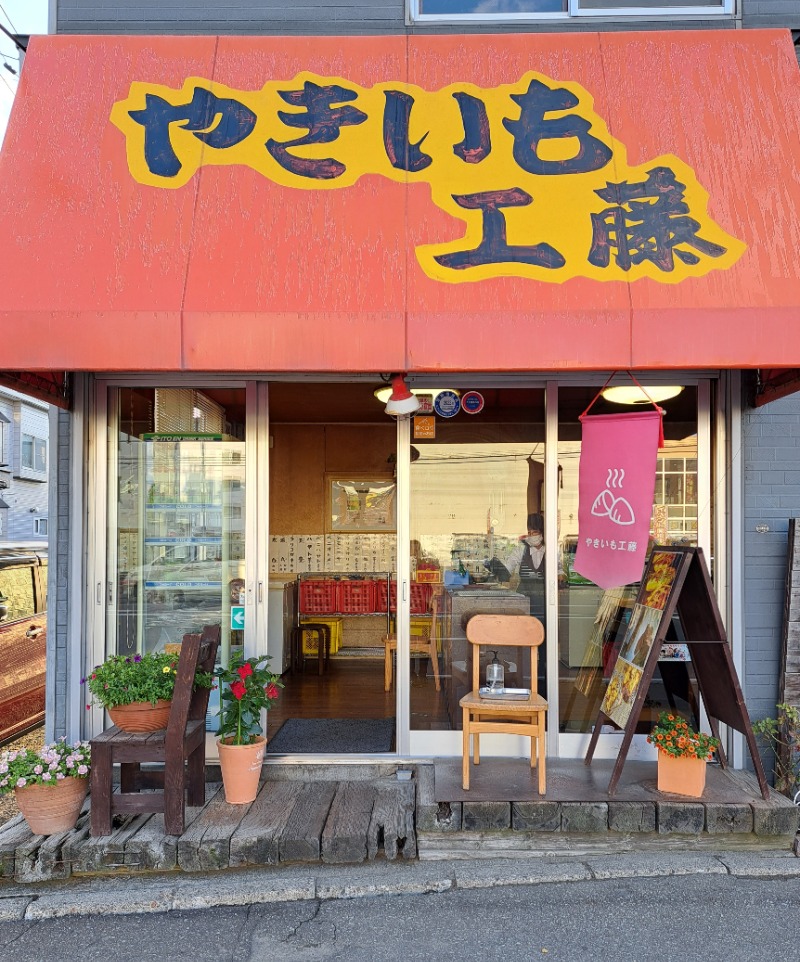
(633,394)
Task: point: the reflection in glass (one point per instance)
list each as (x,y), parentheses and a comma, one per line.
(490,8)
(592,623)
(180,519)
(473,490)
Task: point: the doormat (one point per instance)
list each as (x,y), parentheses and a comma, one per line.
(364,652)
(333,736)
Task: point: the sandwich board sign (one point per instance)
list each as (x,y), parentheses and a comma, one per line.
(676,582)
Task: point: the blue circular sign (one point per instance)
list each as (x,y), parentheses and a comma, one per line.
(472,402)
(447,404)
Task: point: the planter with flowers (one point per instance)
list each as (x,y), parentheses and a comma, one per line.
(137,690)
(50,784)
(247,688)
(683,755)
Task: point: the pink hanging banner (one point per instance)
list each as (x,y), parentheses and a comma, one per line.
(616,481)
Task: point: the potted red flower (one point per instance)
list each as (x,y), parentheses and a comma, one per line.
(246,688)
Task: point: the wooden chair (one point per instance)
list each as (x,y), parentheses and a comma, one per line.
(180,748)
(484,716)
(420,648)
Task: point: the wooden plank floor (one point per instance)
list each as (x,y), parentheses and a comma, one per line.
(290,820)
(340,814)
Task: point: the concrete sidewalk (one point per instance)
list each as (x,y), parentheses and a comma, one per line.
(120,895)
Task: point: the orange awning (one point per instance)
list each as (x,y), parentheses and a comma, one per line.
(492,203)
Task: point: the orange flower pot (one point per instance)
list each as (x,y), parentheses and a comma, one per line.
(681,775)
(241,769)
(141,716)
(51,809)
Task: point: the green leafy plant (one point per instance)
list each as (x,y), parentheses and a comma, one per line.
(246,687)
(48,766)
(124,679)
(674,736)
(782,736)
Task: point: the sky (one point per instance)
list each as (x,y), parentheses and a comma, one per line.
(17,16)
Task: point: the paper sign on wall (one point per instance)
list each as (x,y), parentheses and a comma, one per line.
(424,427)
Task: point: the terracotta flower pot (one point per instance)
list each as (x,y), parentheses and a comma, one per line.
(681,775)
(141,716)
(50,809)
(241,769)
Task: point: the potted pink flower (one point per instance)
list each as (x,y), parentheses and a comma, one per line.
(50,784)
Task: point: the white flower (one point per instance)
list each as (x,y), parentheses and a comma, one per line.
(59,776)
(83,770)
(46,777)
(21,783)
(38,769)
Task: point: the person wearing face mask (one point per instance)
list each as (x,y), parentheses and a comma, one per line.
(527,560)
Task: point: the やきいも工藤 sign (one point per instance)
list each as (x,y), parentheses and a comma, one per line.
(544,189)
(616,482)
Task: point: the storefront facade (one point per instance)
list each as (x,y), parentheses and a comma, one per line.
(234,503)
(256,232)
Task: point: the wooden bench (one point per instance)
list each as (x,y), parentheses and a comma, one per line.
(180,749)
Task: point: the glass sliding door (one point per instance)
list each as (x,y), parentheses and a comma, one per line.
(176,524)
(477,500)
(592,622)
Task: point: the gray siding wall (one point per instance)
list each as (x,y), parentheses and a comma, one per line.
(58,680)
(771,443)
(344,17)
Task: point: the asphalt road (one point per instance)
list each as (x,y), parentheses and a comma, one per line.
(669,919)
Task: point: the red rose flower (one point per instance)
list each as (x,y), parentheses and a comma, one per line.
(244,670)
(238,689)
(271,690)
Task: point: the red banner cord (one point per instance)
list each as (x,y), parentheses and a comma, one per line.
(661,411)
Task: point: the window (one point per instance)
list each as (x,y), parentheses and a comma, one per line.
(34,453)
(40,526)
(3,461)
(466,11)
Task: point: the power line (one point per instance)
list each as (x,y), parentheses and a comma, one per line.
(8,18)
(2,77)
(15,40)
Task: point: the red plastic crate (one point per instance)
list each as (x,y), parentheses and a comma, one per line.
(356,597)
(380,601)
(317,597)
(420,597)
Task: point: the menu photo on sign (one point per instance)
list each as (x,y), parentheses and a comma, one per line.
(640,636)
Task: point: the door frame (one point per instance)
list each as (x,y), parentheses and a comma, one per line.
(102,459)
(99,592)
